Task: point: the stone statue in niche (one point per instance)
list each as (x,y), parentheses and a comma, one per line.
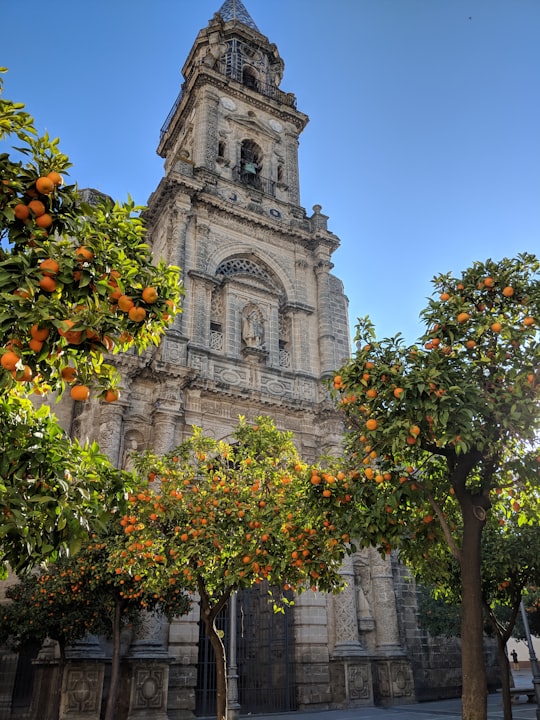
(252,329)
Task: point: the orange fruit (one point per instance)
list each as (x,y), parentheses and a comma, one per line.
(48,284)
(125,303)
(463,317)
(44,185)
(44,221)
(56,178)
(49,267)
(9,360)
(84,254)
(470,344)
(415,430)
(444,296)
(24,375)
(80,392)
(68,374)
(35,345)
(496,327)
(371,424)
(327,493)
(337,382)
(315,480)
(372,393)
(37,207)
(398,392)
(38,333)
(74,337)
(149,295)
(137,314)
(111,395)
(411,440)
(508,291)
(21,211)
(528,321)
(489,282)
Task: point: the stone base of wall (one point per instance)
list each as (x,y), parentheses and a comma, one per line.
(351,682)
(393,681)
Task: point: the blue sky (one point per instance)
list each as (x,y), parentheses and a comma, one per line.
(423,145)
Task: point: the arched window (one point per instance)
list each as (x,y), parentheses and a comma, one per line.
(250,163)
(249,77)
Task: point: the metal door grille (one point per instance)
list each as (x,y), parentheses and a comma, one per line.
(265,658)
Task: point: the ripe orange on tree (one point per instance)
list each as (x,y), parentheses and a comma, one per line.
(9,360)
(49,266)
(84,254)
(463,317)
(149,295)
(508,291)
(38,333)
(35,345)
(125,303)
(496,327)
(45,185)
(137,313)
(56,178)
(371,424)
(37,207)
(528,321)
(47,283)
(398,392)
(44,221)
(69,374)
(24,375)
(80,392)
(21,211)
(111,395)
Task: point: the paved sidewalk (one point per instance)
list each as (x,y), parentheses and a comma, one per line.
(448,709)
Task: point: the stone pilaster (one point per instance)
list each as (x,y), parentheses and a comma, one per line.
(324,304)
(384,608)
(347,641)
(110,430)
(311,638)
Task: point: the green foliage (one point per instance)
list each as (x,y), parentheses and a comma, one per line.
(76,596)
(455,416)
(51,488)
(216,516)
(75,302)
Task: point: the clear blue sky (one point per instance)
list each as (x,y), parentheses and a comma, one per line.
(423,145)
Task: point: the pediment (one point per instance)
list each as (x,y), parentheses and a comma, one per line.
(254,126)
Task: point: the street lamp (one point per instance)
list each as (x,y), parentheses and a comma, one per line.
(534,663)
(233,706)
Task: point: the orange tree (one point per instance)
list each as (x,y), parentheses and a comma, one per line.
(214,517)
(76,282)
(80,595)
(436,429)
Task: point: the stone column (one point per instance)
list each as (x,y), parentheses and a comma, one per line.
(384,605)
(324,304)
(164,424)
(110,430)
(351,668)
(394,677)
(347,641)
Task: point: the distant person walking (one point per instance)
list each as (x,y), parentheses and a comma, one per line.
(515,659)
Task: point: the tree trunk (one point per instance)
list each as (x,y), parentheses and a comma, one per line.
(474,685)
(209,614)
(505,677)
(110,711)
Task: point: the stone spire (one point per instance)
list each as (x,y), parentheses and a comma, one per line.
(235,10)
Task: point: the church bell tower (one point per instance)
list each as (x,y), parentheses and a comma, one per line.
(264,319)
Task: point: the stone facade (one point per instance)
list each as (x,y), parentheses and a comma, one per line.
(264,322)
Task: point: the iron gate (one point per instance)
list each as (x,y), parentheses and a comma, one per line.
(265,657)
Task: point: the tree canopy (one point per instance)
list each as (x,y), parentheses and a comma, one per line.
(443,429)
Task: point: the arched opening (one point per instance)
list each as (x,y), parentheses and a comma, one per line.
(249,78)
(250,163)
